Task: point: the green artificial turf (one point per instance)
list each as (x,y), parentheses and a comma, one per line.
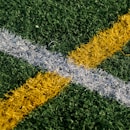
(13,73)
(77,109)
(66,22)
(119,64)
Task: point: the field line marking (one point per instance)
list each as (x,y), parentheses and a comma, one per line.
(103,45)
(93,79)
(36,91)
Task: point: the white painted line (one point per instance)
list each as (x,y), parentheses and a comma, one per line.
(93,79)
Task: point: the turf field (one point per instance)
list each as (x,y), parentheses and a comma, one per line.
(62,26)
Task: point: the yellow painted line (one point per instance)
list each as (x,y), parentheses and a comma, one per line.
(103,45)
(33,93)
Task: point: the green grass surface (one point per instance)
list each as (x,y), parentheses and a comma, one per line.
(66,22)
(77,109)
(13,73)
(119,64)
